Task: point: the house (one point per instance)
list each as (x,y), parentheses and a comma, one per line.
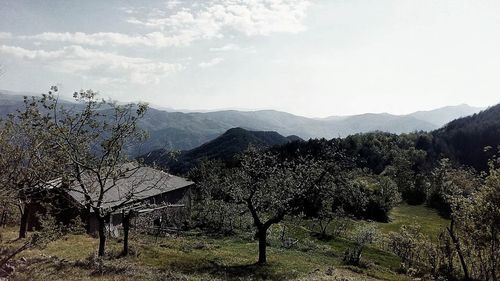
(139,189)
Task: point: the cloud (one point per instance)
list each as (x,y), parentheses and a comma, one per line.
(97,65)
(225,48)
(154,39)
(172,4)
(180,25)
(5,35)
(210,63)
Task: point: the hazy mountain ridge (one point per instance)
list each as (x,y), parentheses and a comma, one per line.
(443,115)
(184,131)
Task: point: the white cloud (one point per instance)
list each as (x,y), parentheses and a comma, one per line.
(98,65)
(156,39)
(181,25)
(172,4)
(225,48)
(30,54)
(210,63)
(5,35)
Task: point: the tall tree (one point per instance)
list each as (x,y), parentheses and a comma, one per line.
(94,137)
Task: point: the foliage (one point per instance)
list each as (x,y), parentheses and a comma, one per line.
(28,159)
(362,236)
(477,234)
(93,138)
(406,244)
(463,140)
(367,196)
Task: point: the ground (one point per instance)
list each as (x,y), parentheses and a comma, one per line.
(208,258)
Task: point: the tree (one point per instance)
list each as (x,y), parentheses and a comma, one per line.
(362,236)
(28,158)
(475,225)
(211,209)
(270,188)
(336,220)
(406,244)
(94,137)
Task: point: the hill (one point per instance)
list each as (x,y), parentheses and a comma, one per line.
(439,117)
(224,147)
(464,140)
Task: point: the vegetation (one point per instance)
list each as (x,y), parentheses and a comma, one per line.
(369,204)
(224,147)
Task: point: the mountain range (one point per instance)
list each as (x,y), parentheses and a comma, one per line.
(462,140)
(187,130)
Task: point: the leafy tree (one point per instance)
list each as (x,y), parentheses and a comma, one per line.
(28,159)
(361,237)
(94,137)
(211,209)
(475,226)
(270,188)
(367,196)
(331,223)
(406,244)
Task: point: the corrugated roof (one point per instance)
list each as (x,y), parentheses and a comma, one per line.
(138,184)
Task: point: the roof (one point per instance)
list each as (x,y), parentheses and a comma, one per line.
(134,185)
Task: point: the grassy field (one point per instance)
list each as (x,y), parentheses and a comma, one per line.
(431,222)
(209,258)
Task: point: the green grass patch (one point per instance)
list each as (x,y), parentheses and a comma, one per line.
(431,222)
(229,258)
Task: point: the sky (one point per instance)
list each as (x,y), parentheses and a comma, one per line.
(314,58)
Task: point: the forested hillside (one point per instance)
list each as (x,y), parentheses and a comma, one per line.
(224,147)
(470,140)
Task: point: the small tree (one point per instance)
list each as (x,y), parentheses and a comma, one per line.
(362,236)
(406,244)
(270,189)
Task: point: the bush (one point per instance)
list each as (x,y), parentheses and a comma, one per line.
(361,237)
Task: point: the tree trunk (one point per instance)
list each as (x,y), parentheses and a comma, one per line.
(102,235)
(24,221)
(87,220)
(456,242)
(13,254)
(3,220)
(126,227)
(262,235)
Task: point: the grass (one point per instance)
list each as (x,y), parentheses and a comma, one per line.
(431,222)
(209,258)
(185,258)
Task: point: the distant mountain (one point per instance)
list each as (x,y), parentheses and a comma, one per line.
(184,131)
(9,102)
(379,122)
(224,147)
(439,117)
(464,139)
